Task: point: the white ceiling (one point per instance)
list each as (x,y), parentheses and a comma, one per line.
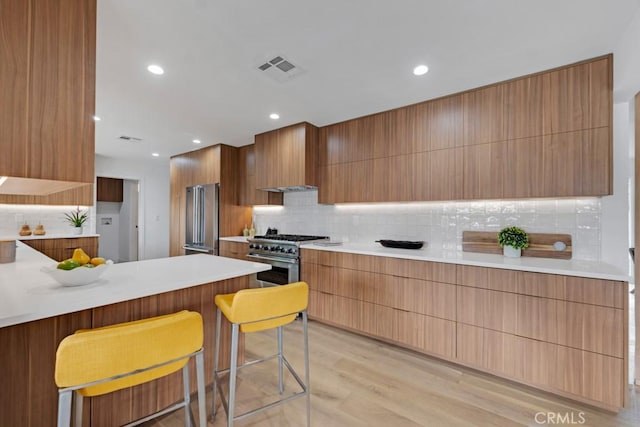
(357,57)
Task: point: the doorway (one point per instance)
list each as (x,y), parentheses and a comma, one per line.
(117,205)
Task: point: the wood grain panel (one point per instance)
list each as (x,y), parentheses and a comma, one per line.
(523,107)
(471,305)
(636,215)
(500,311)
(601,92)
(524,168)
(484,115)
(470,344)
(79,196)
(589,327)
(247,185)
(61,249)
(595,291)
(237,250)
(589,172)
(500,352)
(537,362)
(483,170)
(438,175)
(109,189)
(538,318)
(14,66)
(540,244)
(594,376)
(542,285)
(61,94)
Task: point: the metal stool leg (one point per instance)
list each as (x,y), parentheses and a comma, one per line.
(232,372)
(186,388)
(305,334)
(280,383)
(215,362)
(64,409)
(77,403)
(202,405)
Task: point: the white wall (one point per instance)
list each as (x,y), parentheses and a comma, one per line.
(439,223)
(153,212)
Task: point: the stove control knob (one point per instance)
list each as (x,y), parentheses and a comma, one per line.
(252,246)
(291,251)
(283,250)
(258,246)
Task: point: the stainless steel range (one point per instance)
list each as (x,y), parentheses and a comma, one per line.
(282,252)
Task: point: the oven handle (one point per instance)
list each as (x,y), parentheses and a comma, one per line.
(268,258)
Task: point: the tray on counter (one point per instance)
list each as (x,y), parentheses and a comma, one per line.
(401,244)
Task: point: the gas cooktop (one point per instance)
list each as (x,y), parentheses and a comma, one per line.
(289,237)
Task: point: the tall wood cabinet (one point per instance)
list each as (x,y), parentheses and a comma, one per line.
(47,81)
(248,192)
(559,333)
(215,164)
(544,135)
(286,157)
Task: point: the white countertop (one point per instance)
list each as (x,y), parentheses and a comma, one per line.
(27,293)
(579,268)
(239,239)
(48,236)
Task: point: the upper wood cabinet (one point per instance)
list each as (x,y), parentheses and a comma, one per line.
(215,164)
(248,194)
(109,189)
(544,135)
(287,157)
(47,82)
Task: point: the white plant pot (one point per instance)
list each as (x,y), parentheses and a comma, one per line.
(77,231)
(511,252)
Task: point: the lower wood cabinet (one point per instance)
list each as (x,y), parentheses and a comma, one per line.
(237,250)
(562,334)
(61,249)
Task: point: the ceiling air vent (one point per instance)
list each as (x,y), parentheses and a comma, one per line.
(279,69)
(130,138)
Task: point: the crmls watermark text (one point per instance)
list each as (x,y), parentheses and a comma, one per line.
(559,418)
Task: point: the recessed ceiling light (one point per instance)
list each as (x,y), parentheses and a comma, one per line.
(155,154)
(96,118)
(196,141)
(420,70)
(155,69)
(274,116)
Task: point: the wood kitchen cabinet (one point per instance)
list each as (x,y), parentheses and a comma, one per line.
(109,189)
(248,192)
(237,250)
(543,135)
(559,333)
(47,81)
(61,249)
(287,157)
(215,164)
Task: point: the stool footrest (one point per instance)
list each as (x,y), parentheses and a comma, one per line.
(224,400)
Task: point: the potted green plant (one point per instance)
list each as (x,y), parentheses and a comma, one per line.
(513,240)
(77,219)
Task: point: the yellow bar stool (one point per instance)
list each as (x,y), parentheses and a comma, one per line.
(252,310)
(92,362)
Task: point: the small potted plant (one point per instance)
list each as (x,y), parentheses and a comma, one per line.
(513,240)
(77,219)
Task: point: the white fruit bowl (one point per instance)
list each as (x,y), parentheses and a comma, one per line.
(78,276)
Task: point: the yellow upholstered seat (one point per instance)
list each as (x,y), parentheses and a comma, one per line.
(93,362)
(252,310)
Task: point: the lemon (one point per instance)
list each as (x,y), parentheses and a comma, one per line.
(80,256)
(97,261)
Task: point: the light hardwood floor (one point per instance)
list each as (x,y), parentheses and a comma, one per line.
(357,381)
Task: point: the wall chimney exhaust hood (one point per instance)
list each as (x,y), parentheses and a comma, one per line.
(35,187)
(290,189)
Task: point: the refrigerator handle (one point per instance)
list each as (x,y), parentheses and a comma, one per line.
(195,211)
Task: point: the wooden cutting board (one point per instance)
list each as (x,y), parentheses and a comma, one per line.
(540,244)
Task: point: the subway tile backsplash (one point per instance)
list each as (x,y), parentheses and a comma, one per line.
(439,223)
(52,217)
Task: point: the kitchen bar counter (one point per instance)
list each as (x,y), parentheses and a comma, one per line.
(36,313)
(27,293)
(578,268)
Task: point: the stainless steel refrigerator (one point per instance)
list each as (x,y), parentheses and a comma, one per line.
(202,231)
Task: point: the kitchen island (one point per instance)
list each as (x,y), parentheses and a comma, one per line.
(36,313)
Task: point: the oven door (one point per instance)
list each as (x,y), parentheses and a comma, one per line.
(283,271)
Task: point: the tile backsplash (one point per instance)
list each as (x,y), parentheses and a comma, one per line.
(439,223)
(52,217)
